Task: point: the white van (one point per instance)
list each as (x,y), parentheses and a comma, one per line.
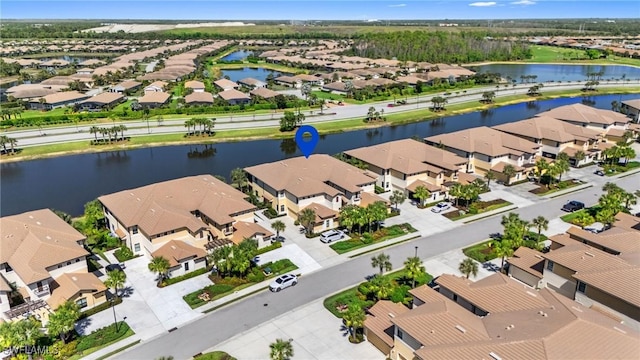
(331,235)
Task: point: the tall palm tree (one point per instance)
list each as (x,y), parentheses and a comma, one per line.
(561,166)
(422,194)
(541,167)
(115,280)
(502,249)
(414,269)
(221,258)
(63,320)
(94,130)
(239,178)
(489,175)
(382,262)
(159,265)
(12,144)
(456,191)
(278,226)
(541,223)
(281,349)
(468,267)
(509,171)
(579,156)
(397,198)
(354,319)
(122,129)
(348,215)
(377,211)
(307,218)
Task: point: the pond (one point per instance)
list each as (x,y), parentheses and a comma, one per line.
(558,72)
(67,182)
(237,55)
(256,73)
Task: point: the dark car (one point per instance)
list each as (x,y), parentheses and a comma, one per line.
(572,206)
(599,172)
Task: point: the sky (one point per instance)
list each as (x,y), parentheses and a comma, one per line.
(317,9)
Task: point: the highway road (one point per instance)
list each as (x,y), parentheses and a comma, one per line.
(236,318)
(71,133)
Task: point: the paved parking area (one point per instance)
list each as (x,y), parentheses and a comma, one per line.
(293,252)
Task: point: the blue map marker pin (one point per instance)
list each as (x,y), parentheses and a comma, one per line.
(307,144)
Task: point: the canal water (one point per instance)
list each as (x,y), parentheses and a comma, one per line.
(256,73)
(557,72)
(67,182)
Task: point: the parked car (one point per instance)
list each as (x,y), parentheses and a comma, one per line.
(331,236)
(572,206)
(283,282)
(596,227)
(440,207)
(599,172)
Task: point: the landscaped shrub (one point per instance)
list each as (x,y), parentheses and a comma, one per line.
(60,350)
(123,254)
(186,276)
(367,238)
(401,294)
(96,309)
(256,275)
(102,336)
(275,245)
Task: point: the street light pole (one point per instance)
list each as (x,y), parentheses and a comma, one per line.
(416,252)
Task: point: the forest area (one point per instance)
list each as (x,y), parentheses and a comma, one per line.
(439,47)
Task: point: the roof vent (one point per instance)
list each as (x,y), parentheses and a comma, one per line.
(532,294)
(589,254)
(540,312)
(48,237)
(137,199)
(30,216)
(391,315)
(544,315)
(74,278)
(433,331)
(620,330)
(461,329)
(494,356)
(131,194)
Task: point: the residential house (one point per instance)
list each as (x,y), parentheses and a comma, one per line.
(320,182)
(610,124)
(126,87)
(264,93)
(54,63)
(250,230)
(488,149)
(106,100)
(183,258)
(199,98)
(28,92)
(226,84)
(632,109)
(196,209)
(406,164)
(556,136)
(526,266)
(289,81)
(252,83)
(336,87)
(197,86)
(519,323)
(234,97)
(313,80)
(57,100)
(156,86)
(44,259)
(154,99)
(85,71)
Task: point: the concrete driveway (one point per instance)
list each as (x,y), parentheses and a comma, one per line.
(293,252)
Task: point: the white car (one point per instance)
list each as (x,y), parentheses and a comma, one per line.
(331,236)
(440,207)
(283,282)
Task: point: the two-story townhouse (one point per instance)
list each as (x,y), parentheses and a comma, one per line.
(406,164)
(38,251)
(522,323)
(556,136)
(196,210)
(320,182)
(631,108)
(488,149)
(610,124)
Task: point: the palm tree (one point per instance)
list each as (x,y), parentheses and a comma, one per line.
(377,212)
(239,178)
(468,267)
(63,320)
(94,130)
(281,349)
(354,319)
(422,194)
(541,223)
(489,175)
(348,215)
(221,258)
(541,167)
(382,262)
(28,332)
(12,143)
(579,156)
(414,269)
(561,166)
(397,198)
(278,226)
(122,129)
(115,280)
(509,171)
(502,249)
(307,217)
(456,191)
(159,265)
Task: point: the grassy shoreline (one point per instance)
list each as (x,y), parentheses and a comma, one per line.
(338,126)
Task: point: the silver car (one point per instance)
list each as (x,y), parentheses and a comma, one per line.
(331,236)
(440,207)
(283,282)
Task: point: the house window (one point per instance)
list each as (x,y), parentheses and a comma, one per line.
(400,334)
(386,185)
(78,260)
(68,262)
(9,268)
(134,230)
(327,223)
(39,285)
(136,247)
(82,302)
(186,266)
(582,287)
(281,208)
(550,265)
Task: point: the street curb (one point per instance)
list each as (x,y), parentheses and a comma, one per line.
(569,191)
(385,246)
(501,210)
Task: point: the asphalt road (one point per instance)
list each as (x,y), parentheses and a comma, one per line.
(225,323)
(63,134)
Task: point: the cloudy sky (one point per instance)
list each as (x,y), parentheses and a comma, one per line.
(318,9)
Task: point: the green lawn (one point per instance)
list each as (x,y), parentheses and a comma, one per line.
(554,54)
(566,184)
(357,241)
(215,355)
(568,218)
(101,338)
(611,170)
(481,252)
(483,207)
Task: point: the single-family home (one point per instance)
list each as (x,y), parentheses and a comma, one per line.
(43,258)
(54,63)
(336,87)
(105,100)
(311,79)
(199,98)
(632,109)
(154,99)
(56,100)
(84,71)
(196,210)
(226,84)
(526,265)
(264,93)
(488,149)
(320,182)
(556,136)
(252,83)
(406,164)
(156,86)
(197,86)
(234,97)
(126,87)
(289,81)
(183,258)
(611,124)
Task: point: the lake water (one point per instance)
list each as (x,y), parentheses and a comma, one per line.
(237,55)
(554,72)
(256,73)
(67,182)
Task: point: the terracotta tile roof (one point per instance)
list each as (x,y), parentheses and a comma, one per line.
(466,178)
(580,257)
(251,82)
(378,320)
(65,96)
(154,97)
(634,103)
(431,187)
(233,94)
(4,285)
(225,84)
(194,84)
(545,127)
(482,293)
(264,93)
(586,115)
(68,285)
(127,85)
(528,260)
(618,239)
(176,251)
(408,157)
(199,97)
(248,230)
(370,198)
(306,177)
(104,98)
(306,77)
(159,84)
(168,205)
(627,221)
(322,212)
(622,283)
(486,141)
(562,239)
(35,240)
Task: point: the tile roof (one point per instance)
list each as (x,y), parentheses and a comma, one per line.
(618,239)
(68,285)
(166,206)
(224,83)
(379,317)
(129,84)
(233,94)
(248,230)
(580,257)
(586,115)
(65,96)
(264,93)
(104,98)
(622,283)
(431,187)
(545,127)
(176,251)
(485,140)
(200,97)
(322,212)
(251,82)
(528,260)
(313,176)
(194,84)
(154,97)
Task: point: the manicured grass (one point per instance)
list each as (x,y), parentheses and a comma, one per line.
(569,218)
(566,184)
(357,241)
(184,277)
(482,206)
(101,338)
(554,54)
(102,307)
(215,355)
(610,170)
(480,252)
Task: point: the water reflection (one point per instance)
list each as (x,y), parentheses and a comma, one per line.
(288,146)
(112,157)
(533,105)
(201,152)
